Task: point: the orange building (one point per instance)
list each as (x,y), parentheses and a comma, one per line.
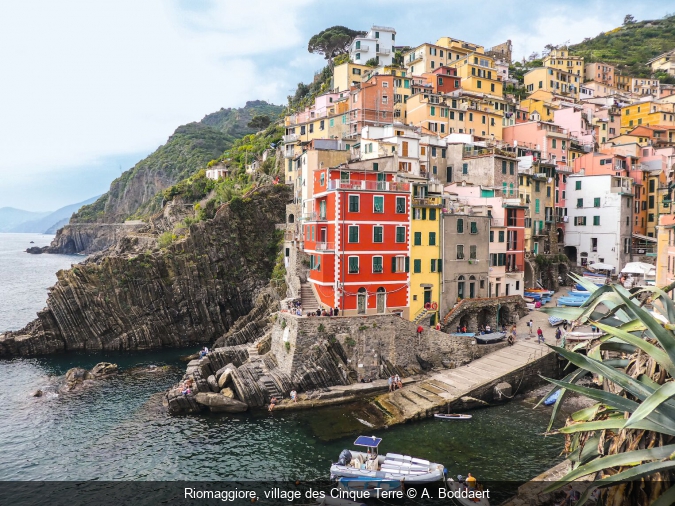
(371,103)
(357,238)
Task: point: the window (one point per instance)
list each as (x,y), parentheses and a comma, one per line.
(460,252)
(358,44)
(378,204)
(322,179)
(443,152)
(474,227)
(503,167)
(577,185)
(650,217)
(353,233)
(433,112)
(580,203)
(536,186)
(465,168)
(433,151)
(492,236)
(432,214)
(473,252)
(594,244)
(651,201)
(511,168)
(580,221)
(536,205)
(400,234)
(432,238)
(353,203)
(501,236)
(460,226)
(553,143)
(434,262)
(378,233)
(417,266)
(596,202)
(400,205)
(548,191)
(377,265)
(353,265)
(376,167)
(418,239)
(399,264)
(596,220)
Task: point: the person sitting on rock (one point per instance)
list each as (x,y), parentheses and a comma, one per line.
(273,402)
(294,396)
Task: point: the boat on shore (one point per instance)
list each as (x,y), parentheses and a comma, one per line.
(492,337)
(581,336)
(449,416)
(391,466)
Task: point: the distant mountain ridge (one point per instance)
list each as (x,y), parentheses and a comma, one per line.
(11,217)
(50,223)
(137,192)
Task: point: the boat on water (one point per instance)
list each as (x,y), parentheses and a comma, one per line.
(449,416)
(552,398)
(462,495)
(492,337)
(580,336)
(361,483)
(391,466)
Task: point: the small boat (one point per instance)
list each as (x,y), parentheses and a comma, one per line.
(552,398)
(449,416)
(570,301)
(463,334)
(579,293)
(492,337)
(460,489)
(554,321)
(362,483)
(581,336)
(392,466)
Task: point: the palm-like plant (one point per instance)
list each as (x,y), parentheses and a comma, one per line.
(626,439)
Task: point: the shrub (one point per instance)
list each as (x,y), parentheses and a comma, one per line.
(166,239)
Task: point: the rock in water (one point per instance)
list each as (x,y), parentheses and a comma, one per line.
(74,378)
(37,393)
(103,369)
(213,384)
(218,403)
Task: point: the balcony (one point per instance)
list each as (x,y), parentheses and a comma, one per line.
(623,190)
(290,138)
(644,250)
(428,202)
(362,47)
(383,51)
(379,186)
(527,171)
(564,169)
(325,246)
(313,217)
(497,222)
(514,268)
(513,202)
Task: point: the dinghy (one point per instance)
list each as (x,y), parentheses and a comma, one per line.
(460,490)
(442,416)
(552,398)
(366,483)
(490,338)
(392,466)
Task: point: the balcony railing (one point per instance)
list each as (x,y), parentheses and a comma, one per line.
(313,217)
(564,169)
(514,268)
(391,186)
(290,138)
(428,202)
(383,51)
(325,246)
(643,250)
(498,222)
(362,47)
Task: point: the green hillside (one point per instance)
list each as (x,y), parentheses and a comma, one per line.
(189,149)
(630,46)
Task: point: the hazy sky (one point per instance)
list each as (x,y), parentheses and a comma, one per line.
(87,87)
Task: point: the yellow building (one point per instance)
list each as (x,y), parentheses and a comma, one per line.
(664,63)
(561,59)
(656,184)
(426,58)
(347,73)
(665,257)
(457,49)
(553,80)
(479,74)
(544,108)
(647,113)
(425,253)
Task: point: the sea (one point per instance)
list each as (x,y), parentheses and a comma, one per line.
(117,429)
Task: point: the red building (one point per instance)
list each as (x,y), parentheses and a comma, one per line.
(357,238)
(443,79)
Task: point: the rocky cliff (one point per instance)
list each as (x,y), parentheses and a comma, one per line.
(137,297)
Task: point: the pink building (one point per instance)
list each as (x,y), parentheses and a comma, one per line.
(578,121)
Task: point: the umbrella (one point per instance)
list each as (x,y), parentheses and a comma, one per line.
(640,268)
(601,267)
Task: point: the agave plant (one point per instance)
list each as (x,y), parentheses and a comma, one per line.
(626,440)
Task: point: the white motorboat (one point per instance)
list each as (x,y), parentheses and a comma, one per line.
(464,496)
(581,336)
(392,466)
(450,416)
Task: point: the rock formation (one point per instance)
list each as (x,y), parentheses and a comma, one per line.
(190,292)
(77,376)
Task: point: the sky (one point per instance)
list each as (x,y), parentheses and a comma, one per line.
(88,88)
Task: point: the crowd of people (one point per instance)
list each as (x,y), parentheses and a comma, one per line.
(296,309)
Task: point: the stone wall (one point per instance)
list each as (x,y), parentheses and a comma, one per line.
(493,311)
(373,346)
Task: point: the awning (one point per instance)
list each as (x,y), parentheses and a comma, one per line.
(644,238)
(640,268)
(601,267)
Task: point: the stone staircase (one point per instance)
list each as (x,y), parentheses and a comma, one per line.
(421,315)
(309,302)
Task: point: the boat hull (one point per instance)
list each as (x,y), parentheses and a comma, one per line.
(442,416)
(408,470)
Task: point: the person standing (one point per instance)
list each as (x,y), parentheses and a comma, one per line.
(558,334)
(420,329)
(540,336)
(530,324)
(390,382)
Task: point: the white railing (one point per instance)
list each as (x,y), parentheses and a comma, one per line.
(383,51)
(290,138)
(325,246)
(337,184)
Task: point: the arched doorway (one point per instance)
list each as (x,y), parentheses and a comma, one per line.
(361,301)
(291,218)
(472,287)
(571,252)
(485,317)
(381,300)
(460,287)
(504,316)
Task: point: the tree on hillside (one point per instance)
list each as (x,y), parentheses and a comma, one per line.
(332,41)
(629,20)
(259,122)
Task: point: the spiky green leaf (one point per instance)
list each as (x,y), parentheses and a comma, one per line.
(663,394)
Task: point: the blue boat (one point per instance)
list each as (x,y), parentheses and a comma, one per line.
(552,398)
(571,301)
(580,295)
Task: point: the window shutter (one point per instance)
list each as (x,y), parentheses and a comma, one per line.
(407,264)
(439,265)
(424,213)
(393,264)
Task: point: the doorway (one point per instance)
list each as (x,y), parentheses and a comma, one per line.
(361,301)
(381,300)
(472,287)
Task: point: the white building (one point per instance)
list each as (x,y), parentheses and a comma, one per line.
(219,171)
(600,214)
(378,43)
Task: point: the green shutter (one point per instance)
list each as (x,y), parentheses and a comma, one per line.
(460,226)
(439,265)
(424,213)
(474,227)
(393,264)
(432,214)
(536,205)
(432,238)
(417,266)
(418,238)
(407,264)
